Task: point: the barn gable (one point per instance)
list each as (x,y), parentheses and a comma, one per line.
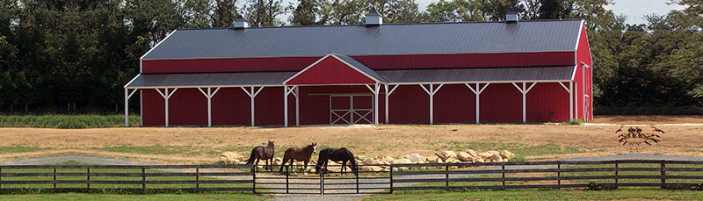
(335,69)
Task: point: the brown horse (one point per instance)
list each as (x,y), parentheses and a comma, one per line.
(303,154)
(264,153)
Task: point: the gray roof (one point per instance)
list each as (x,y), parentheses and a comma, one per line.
(387,39)
(479,74)
(361,67)
(555,73)
(209,79)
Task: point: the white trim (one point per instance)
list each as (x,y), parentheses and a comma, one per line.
(166,95)
(376,91)
(323,58)
(209,96)
(213,86)
(477,92)
(388,94)
(132,80)
(571,102)
(289,90)
(317,56)
(252,95)
(462,82)
(524,90)
(573,75)
(431,92)
(157,45)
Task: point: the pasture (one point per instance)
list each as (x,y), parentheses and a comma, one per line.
(195,145)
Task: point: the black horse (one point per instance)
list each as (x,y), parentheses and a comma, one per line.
(342,154)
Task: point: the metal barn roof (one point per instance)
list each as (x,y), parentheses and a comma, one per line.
(558,73)
(387,39)
(185,80)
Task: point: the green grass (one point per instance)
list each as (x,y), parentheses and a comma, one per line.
(170,197)
(108,188)
(153,149)
(67,121)
(19,149)
(539,194)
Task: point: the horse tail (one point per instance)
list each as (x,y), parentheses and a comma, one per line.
(252,157)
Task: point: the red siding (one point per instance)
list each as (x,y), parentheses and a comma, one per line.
(330,71)
(374,62)
(584,55)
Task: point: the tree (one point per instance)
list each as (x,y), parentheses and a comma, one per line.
(263,13)
(307,12)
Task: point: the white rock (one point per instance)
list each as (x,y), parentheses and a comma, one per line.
(507,154)
(471,152)
(402,161)
(465,157)
(415,158)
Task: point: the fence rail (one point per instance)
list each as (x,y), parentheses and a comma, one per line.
(512,175)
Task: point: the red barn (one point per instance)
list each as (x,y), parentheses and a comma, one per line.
(487,72)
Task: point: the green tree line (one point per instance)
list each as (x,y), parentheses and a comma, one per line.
(65,56)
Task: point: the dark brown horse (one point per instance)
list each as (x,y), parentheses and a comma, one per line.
(263,153)
(303,154)
(342,154)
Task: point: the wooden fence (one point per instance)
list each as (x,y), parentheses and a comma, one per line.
(551,174)
(195,178)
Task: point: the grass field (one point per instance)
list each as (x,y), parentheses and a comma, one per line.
(540,194)
(66,121)
(170,197)
(189,145)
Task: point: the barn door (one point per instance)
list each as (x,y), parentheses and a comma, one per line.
(351,109)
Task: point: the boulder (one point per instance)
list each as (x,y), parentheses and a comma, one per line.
(416,158)
(371,161)
(277,161)
(477,160)
(445,155)
(484,155)
(471,152)
(507,154)
(431,159)
(402,161)
(371,168)
(465,157)
(495,158)
(452,160)
(229,157)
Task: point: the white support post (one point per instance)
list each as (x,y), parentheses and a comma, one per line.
(166,95)
(297,106)
(524,91)
(375,90)
(289,90)
(209,96)
(478,90)
(571,99)
(431,91)
(127,95)
(252,94)
(388,94)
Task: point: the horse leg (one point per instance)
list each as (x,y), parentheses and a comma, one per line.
(291,165)
(305,167)
(267,165)
(344,166)
(256,164)
(283,163)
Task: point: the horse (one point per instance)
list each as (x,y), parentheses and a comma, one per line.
(303,154)
(261,152)
(342,154)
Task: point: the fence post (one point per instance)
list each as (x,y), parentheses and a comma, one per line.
(287,184)
(197,179)
(54,178)
(559,174)
(88,181)
(322,183)
(143,179)
(0,178)
(503,173)
(663,174)
(446,178)
(616,173)
(357,180)
(253,179)
(391,178)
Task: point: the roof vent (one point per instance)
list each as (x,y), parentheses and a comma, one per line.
(240,23)
(373,18)
(511,16)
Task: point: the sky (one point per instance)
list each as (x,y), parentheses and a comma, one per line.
(635,10)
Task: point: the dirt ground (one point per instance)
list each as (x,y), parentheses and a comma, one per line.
(203,145)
